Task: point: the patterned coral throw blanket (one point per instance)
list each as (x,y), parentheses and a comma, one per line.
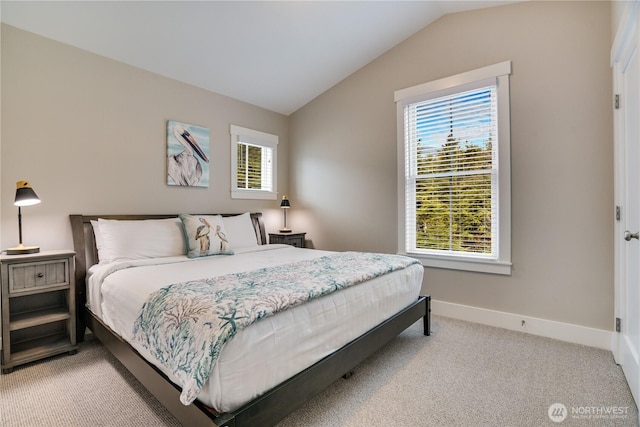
(185,325)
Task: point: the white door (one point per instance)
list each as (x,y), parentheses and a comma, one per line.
(626,63)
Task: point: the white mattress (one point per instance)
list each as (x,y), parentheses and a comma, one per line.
(271,350)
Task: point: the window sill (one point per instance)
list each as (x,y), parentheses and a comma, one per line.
(253,194)
(464,264)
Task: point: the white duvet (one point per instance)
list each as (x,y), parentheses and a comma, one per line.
(271,350)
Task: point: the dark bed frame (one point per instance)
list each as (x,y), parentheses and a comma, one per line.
(266,410)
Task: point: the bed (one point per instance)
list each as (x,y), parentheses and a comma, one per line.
(240,390)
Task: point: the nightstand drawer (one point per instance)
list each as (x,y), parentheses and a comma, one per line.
(298,242)
(293,239)
(29,277)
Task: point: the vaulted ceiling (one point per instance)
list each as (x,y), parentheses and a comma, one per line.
(277,55)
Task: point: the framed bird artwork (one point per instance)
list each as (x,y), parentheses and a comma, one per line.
(187,155)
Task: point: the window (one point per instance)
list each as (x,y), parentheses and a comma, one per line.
(253,164)
(454,204)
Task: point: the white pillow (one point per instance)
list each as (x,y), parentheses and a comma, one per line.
(136,239)
(240,231)
(102,249)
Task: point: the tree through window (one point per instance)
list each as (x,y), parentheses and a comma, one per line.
(455,175)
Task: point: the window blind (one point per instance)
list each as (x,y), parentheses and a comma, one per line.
(254,157)
(452,174)
(254,169)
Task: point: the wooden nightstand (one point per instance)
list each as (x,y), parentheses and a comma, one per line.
(293,239)
(38,306)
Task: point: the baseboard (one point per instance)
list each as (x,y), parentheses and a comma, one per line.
(546,328)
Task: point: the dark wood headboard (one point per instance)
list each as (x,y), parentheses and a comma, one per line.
(87,254)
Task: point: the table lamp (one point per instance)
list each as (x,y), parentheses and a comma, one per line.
(284,204)
(25,196)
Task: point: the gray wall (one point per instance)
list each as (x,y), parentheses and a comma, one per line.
(343,159)
(89,134)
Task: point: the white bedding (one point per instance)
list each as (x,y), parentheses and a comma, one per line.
(117,291)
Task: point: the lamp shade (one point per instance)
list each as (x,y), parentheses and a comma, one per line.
(285,203)
(25,196)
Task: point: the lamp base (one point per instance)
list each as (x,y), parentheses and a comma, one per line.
(285,230)
(21,250)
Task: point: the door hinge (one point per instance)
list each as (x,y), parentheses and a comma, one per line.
(616,102)
(618,213)
(618,324)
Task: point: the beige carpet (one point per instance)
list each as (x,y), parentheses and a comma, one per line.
(90,388)
(463,375)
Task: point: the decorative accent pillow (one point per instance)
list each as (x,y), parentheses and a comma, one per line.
(205,235)
(136,239)
(240,230)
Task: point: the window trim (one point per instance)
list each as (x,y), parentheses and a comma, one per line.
(238,134)
(498,74)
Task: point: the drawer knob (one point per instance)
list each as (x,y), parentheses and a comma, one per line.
(40,275)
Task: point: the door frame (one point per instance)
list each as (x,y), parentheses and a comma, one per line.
(627,37)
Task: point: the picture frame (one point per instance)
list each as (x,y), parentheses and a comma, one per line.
(188,155)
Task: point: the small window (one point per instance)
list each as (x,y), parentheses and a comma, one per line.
(455,204)
(253,164)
